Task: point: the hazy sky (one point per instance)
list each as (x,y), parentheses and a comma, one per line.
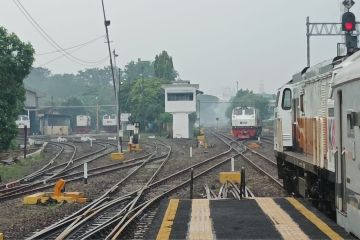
(213,42)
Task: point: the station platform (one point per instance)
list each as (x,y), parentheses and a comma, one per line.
(256,218)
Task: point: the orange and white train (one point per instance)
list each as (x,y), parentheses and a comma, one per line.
(317,137)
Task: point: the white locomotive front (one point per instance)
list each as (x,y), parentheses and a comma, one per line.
(109,122)
(245,122)
(83,124)
(22,121)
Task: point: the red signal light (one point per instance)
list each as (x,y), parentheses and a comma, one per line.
(349,26)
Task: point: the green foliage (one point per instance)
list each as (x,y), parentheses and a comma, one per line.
(139,69)
(16,58)
(165,117)
(140,93)
(18,170)
(250,99)
(164,68)
(147,101)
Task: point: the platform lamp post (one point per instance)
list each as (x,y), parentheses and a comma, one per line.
(107,23)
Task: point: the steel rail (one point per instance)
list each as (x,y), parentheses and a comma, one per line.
(248,159)
(64,222)
(92,206)
(66,233)
(26,188)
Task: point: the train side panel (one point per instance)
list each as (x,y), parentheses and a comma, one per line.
(302,114)
(347,117)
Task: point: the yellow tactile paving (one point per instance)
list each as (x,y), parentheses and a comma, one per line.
(315,219)
(168,220)
(282,221)
(200,226)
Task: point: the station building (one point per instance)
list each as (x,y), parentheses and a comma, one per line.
(55,124)
(180,101)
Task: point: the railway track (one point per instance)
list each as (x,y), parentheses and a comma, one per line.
(261,163)
(47,175)
(135,210)
(268,139)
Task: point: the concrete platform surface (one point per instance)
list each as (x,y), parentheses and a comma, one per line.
(258,218)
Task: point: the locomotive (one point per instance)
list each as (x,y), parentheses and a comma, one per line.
(245,122)
(21,122)
(83,124)
(317,137)
(109,122)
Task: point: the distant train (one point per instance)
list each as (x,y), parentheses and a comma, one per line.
(83,124)
(317,137)
(22,121)
(246,122)
(109,122)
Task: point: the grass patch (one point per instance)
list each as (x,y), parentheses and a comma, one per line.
(19,169)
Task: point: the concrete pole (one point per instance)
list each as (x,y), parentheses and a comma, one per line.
(191,153)
(308,41)
(232,164)
(191,183)
(25,140)
(85,173)
(97,117)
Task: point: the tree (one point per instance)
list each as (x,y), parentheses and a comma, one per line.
(147,101)
(164,68)
(16,58)
(140,69)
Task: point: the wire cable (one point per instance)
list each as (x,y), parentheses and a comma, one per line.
(51,41)
(69,48)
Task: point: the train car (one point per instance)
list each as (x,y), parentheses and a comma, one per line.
(22,121)
(246,122)
(109,122)
(303,109)
(345,92)
(315,141)
(83,124)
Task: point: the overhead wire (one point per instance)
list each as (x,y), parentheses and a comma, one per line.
(52,42)
(69,48)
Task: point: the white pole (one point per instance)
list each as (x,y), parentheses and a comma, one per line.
(232,164)
(191,152)
(90,142)
(258,139)
(85,172)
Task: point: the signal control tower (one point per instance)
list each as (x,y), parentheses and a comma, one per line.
(180,101)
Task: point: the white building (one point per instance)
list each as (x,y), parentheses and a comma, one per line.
(180,101)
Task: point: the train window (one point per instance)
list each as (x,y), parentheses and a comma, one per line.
(249,111)
(302,102)
(286,99)
(238,111)
(180,96)
(350,123)
(331,112)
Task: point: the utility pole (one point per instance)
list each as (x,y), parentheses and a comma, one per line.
(52,114)
(107,23)
(118,102)
(97,115)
